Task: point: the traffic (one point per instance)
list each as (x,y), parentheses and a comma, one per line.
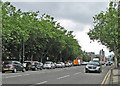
(91,66)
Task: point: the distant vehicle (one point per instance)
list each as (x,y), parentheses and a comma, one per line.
(13,66)
(59,65)
(63,64)
(67,64)
(102,62)
(93,66)
(32,65)
(49,65)
(76,62)
(96,59)
(41,64)
(84,63)
(109,63)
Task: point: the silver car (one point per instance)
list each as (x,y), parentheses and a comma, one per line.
(93,67)
(49,65)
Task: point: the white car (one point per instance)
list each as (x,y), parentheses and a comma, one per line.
(59,65)
(49,65)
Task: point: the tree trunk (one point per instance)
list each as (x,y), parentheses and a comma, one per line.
(32,57)
(116,57)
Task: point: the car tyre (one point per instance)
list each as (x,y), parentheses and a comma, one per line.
(35,69)
(3,71)
(14,70)
(23,70)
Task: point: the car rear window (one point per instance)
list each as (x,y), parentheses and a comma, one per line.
(47,63)
(7,62)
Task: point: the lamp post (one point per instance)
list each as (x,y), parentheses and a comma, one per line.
(23,50)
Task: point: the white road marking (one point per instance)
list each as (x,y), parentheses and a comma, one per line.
(63,77)
(77,73)
(42,82)
(13,76)
(10,73)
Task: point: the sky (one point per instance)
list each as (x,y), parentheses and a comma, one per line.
(74,16)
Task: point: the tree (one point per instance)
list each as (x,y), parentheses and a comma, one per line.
(106,29)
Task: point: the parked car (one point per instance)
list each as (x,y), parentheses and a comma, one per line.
(41,64)
(13,66)
(59,65)
(32,65)
(93,67)
(102,62)
(63,64)
(84,63)
(109,63)
(67,64)
(49,65)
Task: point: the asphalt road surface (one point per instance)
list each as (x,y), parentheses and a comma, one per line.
(68,75)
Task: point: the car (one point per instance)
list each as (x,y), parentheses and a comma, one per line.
(84,63)
(63,64)
(41,64)
(36,65)
(59,65)
(93,66)
(67,64)
(32,65)
(49,65)
(13,66)
(109,63)
(102,62)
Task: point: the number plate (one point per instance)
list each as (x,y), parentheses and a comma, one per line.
(5,68)
(29,66)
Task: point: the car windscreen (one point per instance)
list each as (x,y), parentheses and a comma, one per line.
(93,63)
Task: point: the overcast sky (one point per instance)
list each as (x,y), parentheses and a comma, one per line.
(75,16)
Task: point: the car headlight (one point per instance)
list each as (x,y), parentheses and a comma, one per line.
(97,67)
(87,67)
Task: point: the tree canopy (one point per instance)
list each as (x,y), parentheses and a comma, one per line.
(105,29)
(35,37)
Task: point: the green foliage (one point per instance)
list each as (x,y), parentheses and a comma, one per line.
(106,28)
(41,35)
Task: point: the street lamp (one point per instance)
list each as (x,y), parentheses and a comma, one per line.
(23,50)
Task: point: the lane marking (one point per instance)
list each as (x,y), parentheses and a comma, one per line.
(13,76)
(105,78)
(42,82)
(63,77)
(77,73)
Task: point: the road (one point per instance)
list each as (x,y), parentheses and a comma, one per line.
(69,75)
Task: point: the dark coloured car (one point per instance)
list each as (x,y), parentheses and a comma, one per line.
(93,67)
(32,65)
(109,63)
(13,66)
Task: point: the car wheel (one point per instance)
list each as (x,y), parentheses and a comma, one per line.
(23,70)
(26,69)
(14,70)
(3,71)
(35,69)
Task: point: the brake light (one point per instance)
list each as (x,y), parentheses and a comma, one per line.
(1,65)
(11,65)
(33,63)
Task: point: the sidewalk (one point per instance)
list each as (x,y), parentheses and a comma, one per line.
(116,76)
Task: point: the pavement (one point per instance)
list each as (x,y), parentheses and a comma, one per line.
(116,76)
(68,75)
